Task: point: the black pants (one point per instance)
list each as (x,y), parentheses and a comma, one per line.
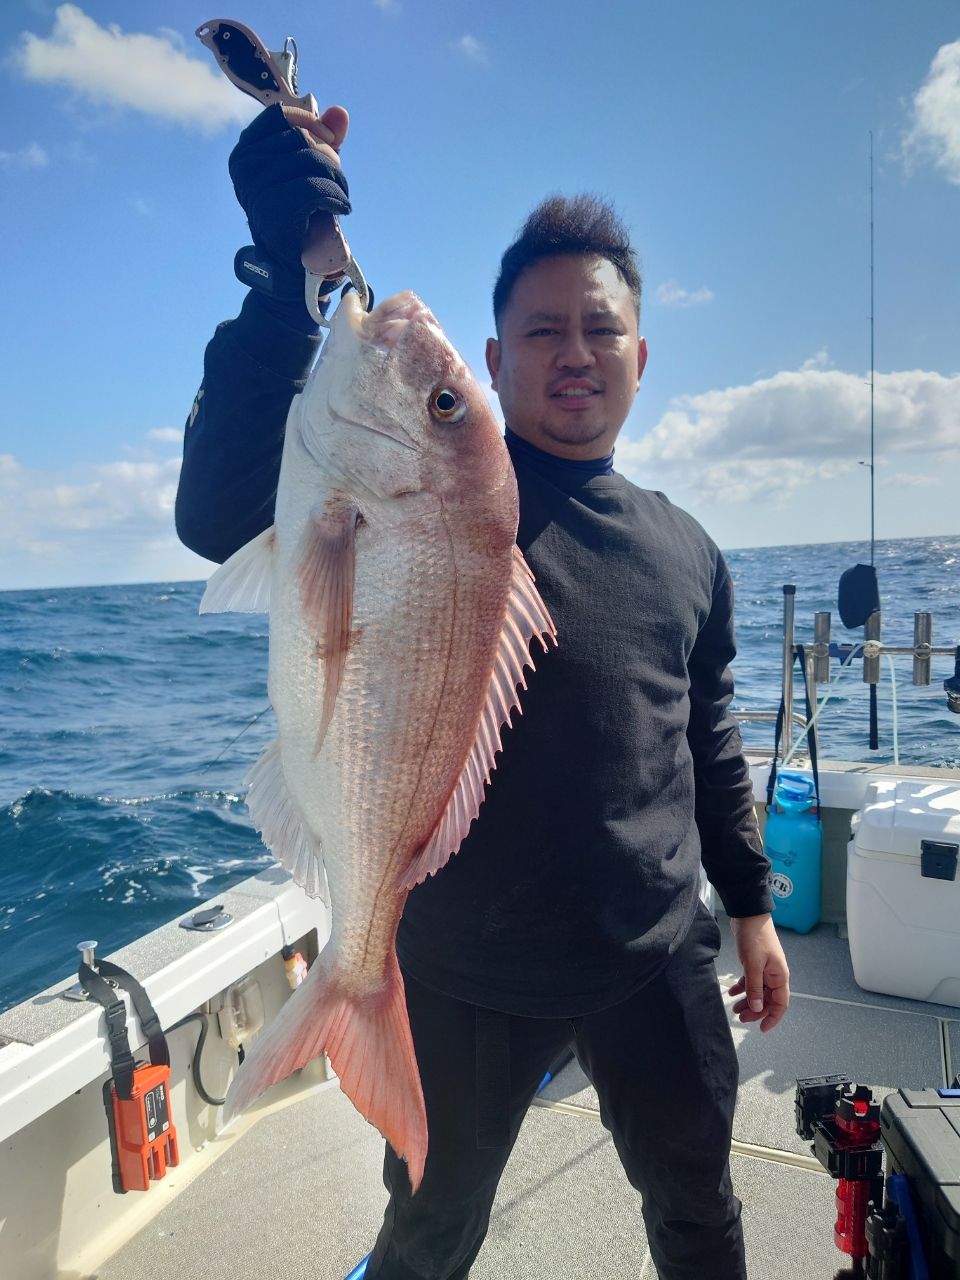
(665,1070)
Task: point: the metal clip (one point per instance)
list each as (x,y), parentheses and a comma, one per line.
(314,283)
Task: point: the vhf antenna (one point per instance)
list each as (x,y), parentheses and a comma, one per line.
(872,507)
(872,628)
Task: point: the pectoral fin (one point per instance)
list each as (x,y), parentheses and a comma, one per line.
(242,583)
(526,619)
(327,575)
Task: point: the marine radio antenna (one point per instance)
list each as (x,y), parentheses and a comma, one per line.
(872,523)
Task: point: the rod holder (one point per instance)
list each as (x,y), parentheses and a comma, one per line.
(922,640)
(821,647)
(871,660)
(789,604)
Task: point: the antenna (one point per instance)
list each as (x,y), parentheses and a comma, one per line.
(872,507)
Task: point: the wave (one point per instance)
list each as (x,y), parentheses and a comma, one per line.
(109,867)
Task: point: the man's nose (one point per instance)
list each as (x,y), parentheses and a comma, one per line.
(575,352)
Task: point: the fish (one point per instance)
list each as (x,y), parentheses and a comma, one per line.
(402,615)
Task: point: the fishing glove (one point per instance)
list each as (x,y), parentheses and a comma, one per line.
(280,181)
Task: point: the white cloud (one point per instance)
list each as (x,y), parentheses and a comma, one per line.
(776,435)
(819,361)
(910,480)
(106,522)
(672,295)
(146,73)
(32,156)
(936,114)
(472,48)
(166,435)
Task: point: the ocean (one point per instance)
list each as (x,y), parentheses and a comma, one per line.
(129,723)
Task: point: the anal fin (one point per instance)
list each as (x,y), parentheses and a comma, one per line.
(276,818)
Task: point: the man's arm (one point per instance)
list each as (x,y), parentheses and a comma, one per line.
(253,367)
(286,174)
(732,851)
(731,848)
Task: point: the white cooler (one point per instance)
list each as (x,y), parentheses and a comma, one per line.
(903,890)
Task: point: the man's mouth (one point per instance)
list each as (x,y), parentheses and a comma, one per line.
(575,392)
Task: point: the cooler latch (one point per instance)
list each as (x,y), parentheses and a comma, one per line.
(938,860)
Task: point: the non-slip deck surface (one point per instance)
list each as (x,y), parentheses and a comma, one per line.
(300,1196)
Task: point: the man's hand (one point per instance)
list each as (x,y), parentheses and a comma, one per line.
(765,985)
(287,175)
(324,250)
(325,132)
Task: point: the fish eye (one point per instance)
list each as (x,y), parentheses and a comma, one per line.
(448,405)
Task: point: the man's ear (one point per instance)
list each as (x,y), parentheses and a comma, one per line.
(641,358)
(493,361)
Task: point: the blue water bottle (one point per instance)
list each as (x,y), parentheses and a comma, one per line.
(794,843)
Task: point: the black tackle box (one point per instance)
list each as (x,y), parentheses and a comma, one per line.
(921,1132)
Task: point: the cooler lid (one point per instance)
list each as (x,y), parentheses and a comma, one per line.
(898,814)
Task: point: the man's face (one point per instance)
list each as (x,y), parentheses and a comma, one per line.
(569,358)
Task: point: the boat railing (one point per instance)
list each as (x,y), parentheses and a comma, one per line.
(816,658)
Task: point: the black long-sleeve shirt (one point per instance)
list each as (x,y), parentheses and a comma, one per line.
(580,876)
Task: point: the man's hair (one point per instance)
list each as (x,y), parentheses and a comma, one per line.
(582,224)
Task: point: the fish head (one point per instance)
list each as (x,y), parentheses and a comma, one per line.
(394,407)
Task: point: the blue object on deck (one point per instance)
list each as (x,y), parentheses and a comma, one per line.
(898,1190)
(360,1270)
(793,841)
(565,1058)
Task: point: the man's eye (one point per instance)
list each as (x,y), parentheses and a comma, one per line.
(540,333)
(606,333)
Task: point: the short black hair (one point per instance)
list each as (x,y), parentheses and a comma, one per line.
(583,224)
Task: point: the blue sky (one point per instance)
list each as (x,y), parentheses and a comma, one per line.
(732,138)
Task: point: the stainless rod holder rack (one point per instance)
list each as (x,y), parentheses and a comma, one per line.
(871,649)
(922,640)
(789,606)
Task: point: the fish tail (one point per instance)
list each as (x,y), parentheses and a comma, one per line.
(368,1041)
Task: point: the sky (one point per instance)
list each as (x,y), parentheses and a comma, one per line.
(733,139)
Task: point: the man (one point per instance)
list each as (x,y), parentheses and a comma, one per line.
(570,916)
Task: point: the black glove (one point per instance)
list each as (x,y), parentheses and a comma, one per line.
(280,182)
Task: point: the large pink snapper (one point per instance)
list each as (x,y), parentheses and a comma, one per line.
(401,615)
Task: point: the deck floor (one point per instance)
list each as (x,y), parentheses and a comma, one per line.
(300,1195)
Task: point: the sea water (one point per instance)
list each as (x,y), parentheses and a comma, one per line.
(129,722)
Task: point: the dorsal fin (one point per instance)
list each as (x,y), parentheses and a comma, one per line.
(526,618)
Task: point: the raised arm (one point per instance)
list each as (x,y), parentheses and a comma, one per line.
(286,173)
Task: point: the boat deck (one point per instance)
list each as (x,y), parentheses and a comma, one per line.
(299,1195)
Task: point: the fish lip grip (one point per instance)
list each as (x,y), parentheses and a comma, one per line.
(271,77)
(245,59)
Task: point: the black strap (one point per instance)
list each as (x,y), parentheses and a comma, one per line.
(799,652)
(121,1058)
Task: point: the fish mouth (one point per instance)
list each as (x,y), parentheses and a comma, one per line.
(385,325)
